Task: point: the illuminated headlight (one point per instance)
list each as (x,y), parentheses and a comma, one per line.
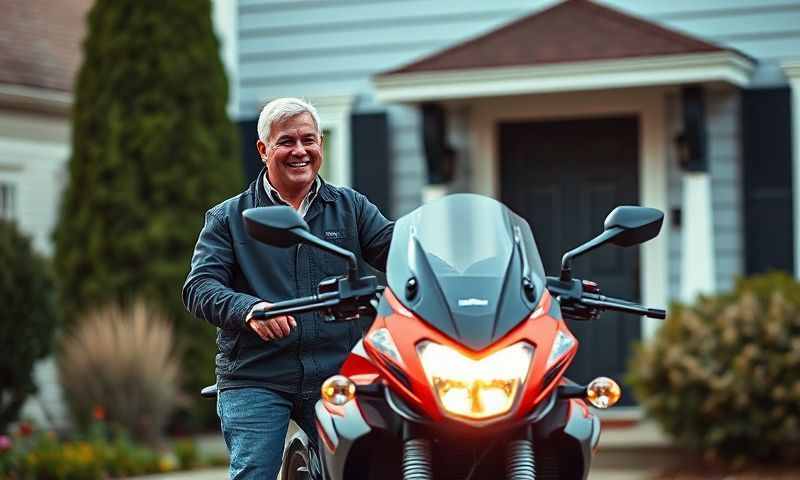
(382,340)
(475,389)
(561,345)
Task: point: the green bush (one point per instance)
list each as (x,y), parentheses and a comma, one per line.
(28,319)
(723,375)
(152,150)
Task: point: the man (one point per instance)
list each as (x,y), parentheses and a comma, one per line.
(269,371)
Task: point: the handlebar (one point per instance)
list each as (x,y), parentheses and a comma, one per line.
(341,298)
(581,301)
(619,305)
(298,305)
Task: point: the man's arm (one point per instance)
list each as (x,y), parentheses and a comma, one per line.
(207,293)
(374,232)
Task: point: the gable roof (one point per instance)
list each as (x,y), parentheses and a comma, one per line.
(572,31)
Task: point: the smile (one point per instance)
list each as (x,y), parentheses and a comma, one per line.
(298,164)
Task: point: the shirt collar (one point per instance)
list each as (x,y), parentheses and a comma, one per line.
(275,195)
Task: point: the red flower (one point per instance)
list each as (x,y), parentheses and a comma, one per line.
(25,429)
(99,413)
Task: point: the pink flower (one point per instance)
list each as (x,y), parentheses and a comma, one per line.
(5,443)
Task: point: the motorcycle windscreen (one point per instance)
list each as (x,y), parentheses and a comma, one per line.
(467,254)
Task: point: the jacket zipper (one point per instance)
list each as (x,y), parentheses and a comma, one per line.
(299,323)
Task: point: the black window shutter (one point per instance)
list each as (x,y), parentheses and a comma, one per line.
(370,156)
(248,135)
(767,172)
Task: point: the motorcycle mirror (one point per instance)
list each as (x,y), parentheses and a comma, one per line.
(279,226)
(638,224)
(624,226)
(282,226)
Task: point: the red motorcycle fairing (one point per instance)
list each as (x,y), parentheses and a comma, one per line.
(409,380)
(349,435)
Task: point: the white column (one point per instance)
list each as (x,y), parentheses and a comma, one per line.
(792,70)
(224,18)
(654,172)
(697,243)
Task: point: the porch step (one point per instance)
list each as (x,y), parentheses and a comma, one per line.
(628,442)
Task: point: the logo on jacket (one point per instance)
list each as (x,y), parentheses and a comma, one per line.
(334,234)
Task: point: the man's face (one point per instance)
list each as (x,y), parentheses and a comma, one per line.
(293,153)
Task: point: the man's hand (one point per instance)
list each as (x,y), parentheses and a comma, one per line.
(273,328)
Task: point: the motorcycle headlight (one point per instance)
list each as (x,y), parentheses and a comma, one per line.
(475,389)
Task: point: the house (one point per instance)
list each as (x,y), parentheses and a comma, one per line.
(559,109)
(562,110)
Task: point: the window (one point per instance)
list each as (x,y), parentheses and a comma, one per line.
(8,201)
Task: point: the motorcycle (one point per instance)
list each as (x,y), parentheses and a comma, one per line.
(461,374)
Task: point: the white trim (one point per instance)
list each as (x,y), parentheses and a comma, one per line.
(334,113)
(725,66)
(648,104)
(697,238)
(39,99)
(792,70)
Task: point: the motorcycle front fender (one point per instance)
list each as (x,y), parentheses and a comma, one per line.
(338,434)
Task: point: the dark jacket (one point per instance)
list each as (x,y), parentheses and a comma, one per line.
(231,272)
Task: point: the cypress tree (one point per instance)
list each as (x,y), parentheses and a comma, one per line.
(152,149)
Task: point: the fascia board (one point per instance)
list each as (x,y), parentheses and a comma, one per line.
(35,99)
(726,67)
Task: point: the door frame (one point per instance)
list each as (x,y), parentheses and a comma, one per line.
(649,104)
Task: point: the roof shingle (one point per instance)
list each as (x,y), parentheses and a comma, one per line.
(572,31)
(40,42)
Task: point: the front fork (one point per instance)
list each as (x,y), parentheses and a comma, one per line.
(418,459)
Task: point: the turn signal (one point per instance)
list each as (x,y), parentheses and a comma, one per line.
(338,390)
(603,392)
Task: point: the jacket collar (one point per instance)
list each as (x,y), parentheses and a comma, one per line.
(261,199)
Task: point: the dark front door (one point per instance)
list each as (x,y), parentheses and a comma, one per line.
(564,177)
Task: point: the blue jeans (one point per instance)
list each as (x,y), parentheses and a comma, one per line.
(254,423)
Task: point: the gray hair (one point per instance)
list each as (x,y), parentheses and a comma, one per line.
(282,109)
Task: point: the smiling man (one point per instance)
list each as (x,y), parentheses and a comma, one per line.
(269,371)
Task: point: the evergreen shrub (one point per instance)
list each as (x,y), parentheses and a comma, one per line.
(28,319)
(723,375)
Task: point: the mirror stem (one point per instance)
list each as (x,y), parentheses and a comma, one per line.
(352,263)
(566,260)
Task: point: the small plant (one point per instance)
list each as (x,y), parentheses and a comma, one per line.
(28,319)
(119,365)
(723,375)
(101,454)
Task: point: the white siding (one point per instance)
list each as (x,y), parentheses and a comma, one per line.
(724,156)
(408,161)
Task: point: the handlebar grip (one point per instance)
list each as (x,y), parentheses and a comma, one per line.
(619,305)
(295,305)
